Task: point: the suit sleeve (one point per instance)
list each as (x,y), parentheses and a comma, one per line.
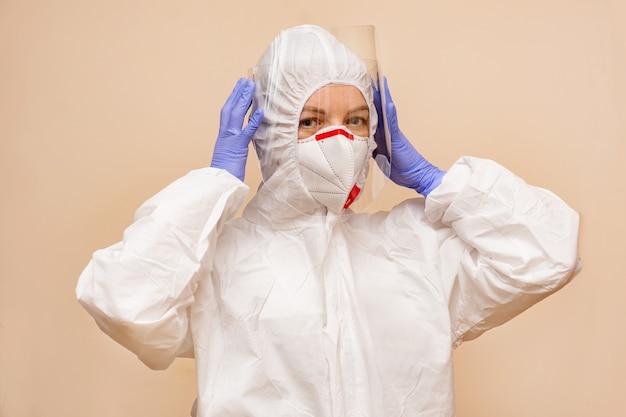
(504,244)
(140,289)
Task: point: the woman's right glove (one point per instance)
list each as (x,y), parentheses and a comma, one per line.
(408,167)
(231,147)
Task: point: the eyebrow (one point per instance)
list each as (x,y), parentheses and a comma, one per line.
(358,109)
(321,111)
(313,109)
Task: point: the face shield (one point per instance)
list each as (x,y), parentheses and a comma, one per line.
(362,41)
(317,139)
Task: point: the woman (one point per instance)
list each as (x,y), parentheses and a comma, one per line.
(302,307)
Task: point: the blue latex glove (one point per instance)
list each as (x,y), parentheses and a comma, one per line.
(408,167)
(231,146)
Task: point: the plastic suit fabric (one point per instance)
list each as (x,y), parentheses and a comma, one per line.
(292,314)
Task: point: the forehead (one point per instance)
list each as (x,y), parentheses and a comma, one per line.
(337,95)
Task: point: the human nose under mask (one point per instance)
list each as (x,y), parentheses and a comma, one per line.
(331,161)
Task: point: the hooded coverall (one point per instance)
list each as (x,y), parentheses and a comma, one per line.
(290,310)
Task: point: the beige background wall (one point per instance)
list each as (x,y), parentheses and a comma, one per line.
(102,103)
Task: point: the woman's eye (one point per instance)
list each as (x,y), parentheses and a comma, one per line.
(308,123)
(356,121)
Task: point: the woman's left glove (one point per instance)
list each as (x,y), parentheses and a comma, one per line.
(231,147)
(408,167)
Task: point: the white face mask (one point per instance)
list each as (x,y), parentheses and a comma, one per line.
(333,163)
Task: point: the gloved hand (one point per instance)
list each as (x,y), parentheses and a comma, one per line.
(231,146)
(408,167)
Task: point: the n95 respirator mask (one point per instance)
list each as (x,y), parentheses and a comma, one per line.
(334,163)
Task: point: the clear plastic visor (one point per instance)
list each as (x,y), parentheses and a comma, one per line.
(362,41)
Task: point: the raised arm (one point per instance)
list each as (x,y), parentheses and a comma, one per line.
(139,290)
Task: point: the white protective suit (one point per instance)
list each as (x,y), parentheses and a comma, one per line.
(290,311)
